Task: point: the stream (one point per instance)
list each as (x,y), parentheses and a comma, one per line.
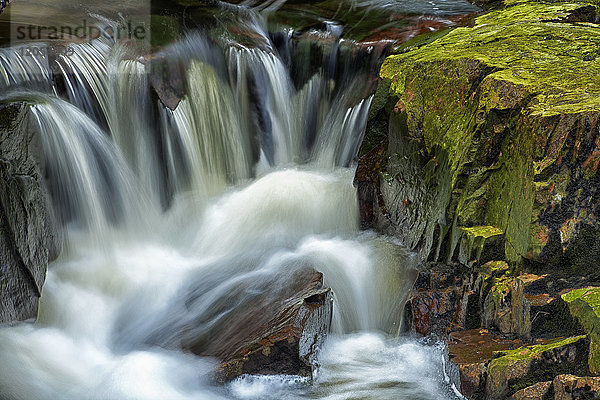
(248,179)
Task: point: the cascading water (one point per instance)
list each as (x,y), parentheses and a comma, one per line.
(249,178)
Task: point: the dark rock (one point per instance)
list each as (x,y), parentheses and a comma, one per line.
(439,302)
(168,80)
(27,238)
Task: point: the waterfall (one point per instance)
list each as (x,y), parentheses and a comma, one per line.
(172,218)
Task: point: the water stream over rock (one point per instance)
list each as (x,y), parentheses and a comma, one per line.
(182,200)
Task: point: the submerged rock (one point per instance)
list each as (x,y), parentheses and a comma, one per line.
(279,332)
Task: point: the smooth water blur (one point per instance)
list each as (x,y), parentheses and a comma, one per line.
(367,365)
(173,219)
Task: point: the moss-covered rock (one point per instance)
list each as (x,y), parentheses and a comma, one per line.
(516,369)
(511,105)
(505,307)
(584,304)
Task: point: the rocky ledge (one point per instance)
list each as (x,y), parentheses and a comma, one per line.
(481,155)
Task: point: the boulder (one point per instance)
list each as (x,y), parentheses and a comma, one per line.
(569,387)
(516,369)
(27,238)
(279,331)
(539,391)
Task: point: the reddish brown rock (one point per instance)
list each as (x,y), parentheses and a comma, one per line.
(471,350)
(440,302)
(280,332)
(570,387)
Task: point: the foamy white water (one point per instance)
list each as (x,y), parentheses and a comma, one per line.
(172,219)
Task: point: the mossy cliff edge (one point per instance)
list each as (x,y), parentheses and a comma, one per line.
(499,123)
(483,148)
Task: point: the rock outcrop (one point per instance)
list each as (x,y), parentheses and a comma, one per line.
(27,239)
(493,126)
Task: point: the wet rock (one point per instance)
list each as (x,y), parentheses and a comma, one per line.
(569,387)
(516,369)
(279,332)
(539,391)
(471,351)
(439,302)
(27,238)
(168,81)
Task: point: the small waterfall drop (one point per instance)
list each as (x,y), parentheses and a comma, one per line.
(174,217)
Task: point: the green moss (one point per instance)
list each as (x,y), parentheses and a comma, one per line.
(545,58)
(522,367)
(523,353)
(494,268)
(480,94)
(483,231)
(164,30)
(584,304)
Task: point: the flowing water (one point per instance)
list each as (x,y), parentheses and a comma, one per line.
(248,179)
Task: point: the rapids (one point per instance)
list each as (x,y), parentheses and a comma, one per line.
(249,177)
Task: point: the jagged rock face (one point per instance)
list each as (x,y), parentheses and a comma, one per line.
(500,122)
(446,299)
(27,240)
